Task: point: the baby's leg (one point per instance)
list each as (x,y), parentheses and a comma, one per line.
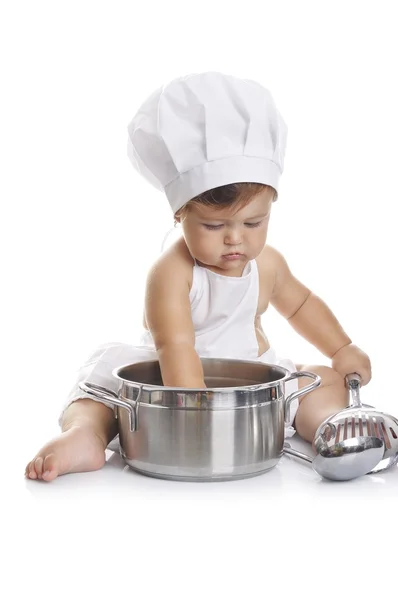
(329,398)
(87,428)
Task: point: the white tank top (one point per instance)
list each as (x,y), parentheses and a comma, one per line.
(223,313)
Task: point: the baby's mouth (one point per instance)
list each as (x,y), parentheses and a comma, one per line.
(231,255)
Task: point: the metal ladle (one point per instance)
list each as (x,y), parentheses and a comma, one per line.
(345,460)
(360,420)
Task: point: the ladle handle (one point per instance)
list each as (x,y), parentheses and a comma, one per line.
(353,382)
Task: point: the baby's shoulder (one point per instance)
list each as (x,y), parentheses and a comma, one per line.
(269,260)
(175,265)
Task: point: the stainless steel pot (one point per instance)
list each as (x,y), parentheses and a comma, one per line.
(233,428)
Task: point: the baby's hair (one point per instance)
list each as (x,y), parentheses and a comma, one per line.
(238,194)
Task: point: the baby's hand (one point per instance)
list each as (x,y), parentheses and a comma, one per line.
(351,359)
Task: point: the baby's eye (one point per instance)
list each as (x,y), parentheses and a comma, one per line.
(212,226)
(253,224)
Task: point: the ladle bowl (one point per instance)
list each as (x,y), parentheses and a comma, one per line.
(345,460)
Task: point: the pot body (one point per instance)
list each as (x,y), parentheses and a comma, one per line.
(195,444)
(232,429)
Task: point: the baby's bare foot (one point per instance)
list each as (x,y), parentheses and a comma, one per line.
(74,451)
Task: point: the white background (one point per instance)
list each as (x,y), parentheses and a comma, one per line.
(80,229)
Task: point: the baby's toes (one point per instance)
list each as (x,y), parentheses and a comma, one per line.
(49,468)
(38,465)
(30,470)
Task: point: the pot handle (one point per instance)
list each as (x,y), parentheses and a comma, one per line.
(302,391)
(102,393)
(287,449)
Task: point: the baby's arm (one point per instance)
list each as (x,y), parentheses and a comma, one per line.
(306,312)
(168,316)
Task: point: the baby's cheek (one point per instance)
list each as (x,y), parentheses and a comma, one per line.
(206,241)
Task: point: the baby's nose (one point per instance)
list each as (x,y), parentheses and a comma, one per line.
(233,237)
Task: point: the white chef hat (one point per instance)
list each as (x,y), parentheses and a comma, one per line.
(206,130)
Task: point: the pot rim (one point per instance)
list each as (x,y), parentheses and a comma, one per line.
(225,389)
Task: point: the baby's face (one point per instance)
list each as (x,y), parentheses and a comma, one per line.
(224,242)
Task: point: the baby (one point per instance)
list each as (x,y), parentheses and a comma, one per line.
(215,145)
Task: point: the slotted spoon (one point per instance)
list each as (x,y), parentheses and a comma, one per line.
(360,420)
